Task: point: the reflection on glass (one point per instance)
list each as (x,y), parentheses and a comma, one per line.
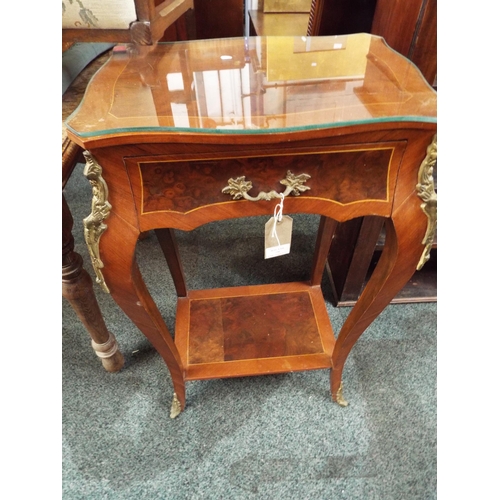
(252,85)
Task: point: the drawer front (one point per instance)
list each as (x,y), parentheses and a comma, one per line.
(344,177)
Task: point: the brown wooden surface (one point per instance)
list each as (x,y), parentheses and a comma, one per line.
(219,18)
(71,154)
(396,22)
(340,255)
(326,231)
(125,224)
(195,198)
(340,17)
(253,330)
(173,179)
(421,287)
(182,186)
(350,256)
(77,285)
(424,48)
(363,250)
(410,27)
(340,95)
(168,244)
(77,289)
(395,268)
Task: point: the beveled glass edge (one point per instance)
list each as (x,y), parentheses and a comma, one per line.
(409,60)
(80,104)
(118,131)
(130,130)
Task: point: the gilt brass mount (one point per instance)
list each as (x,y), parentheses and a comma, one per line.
(340,397)
(427,192)
(93,225)
(238,188)
(176,409)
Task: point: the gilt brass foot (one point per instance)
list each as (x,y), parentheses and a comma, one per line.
(340,397)
(176,407)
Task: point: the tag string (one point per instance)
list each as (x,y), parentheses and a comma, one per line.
(278,216)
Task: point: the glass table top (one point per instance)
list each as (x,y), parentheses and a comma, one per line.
(253,85)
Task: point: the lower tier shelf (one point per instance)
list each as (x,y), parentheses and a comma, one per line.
(253,330)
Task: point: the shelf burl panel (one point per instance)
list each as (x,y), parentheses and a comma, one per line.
(254,330)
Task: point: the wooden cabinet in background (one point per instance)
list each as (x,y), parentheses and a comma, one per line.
(410,28)
(219,18)
(340,17)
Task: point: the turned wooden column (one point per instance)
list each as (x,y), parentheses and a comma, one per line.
(77,286)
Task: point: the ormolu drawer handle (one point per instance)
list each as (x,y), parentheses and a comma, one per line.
(238,188)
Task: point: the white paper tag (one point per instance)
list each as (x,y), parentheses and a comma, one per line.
(277,251)
(278,237)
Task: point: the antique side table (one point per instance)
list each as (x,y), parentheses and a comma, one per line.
(181,134)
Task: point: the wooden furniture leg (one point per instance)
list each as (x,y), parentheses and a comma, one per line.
(350,255)
(362,254)
(402,251)
(124,281)
(340,255)
(168,244)
(326,230)
(77,288)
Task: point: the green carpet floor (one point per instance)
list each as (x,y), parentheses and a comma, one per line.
(269,437)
